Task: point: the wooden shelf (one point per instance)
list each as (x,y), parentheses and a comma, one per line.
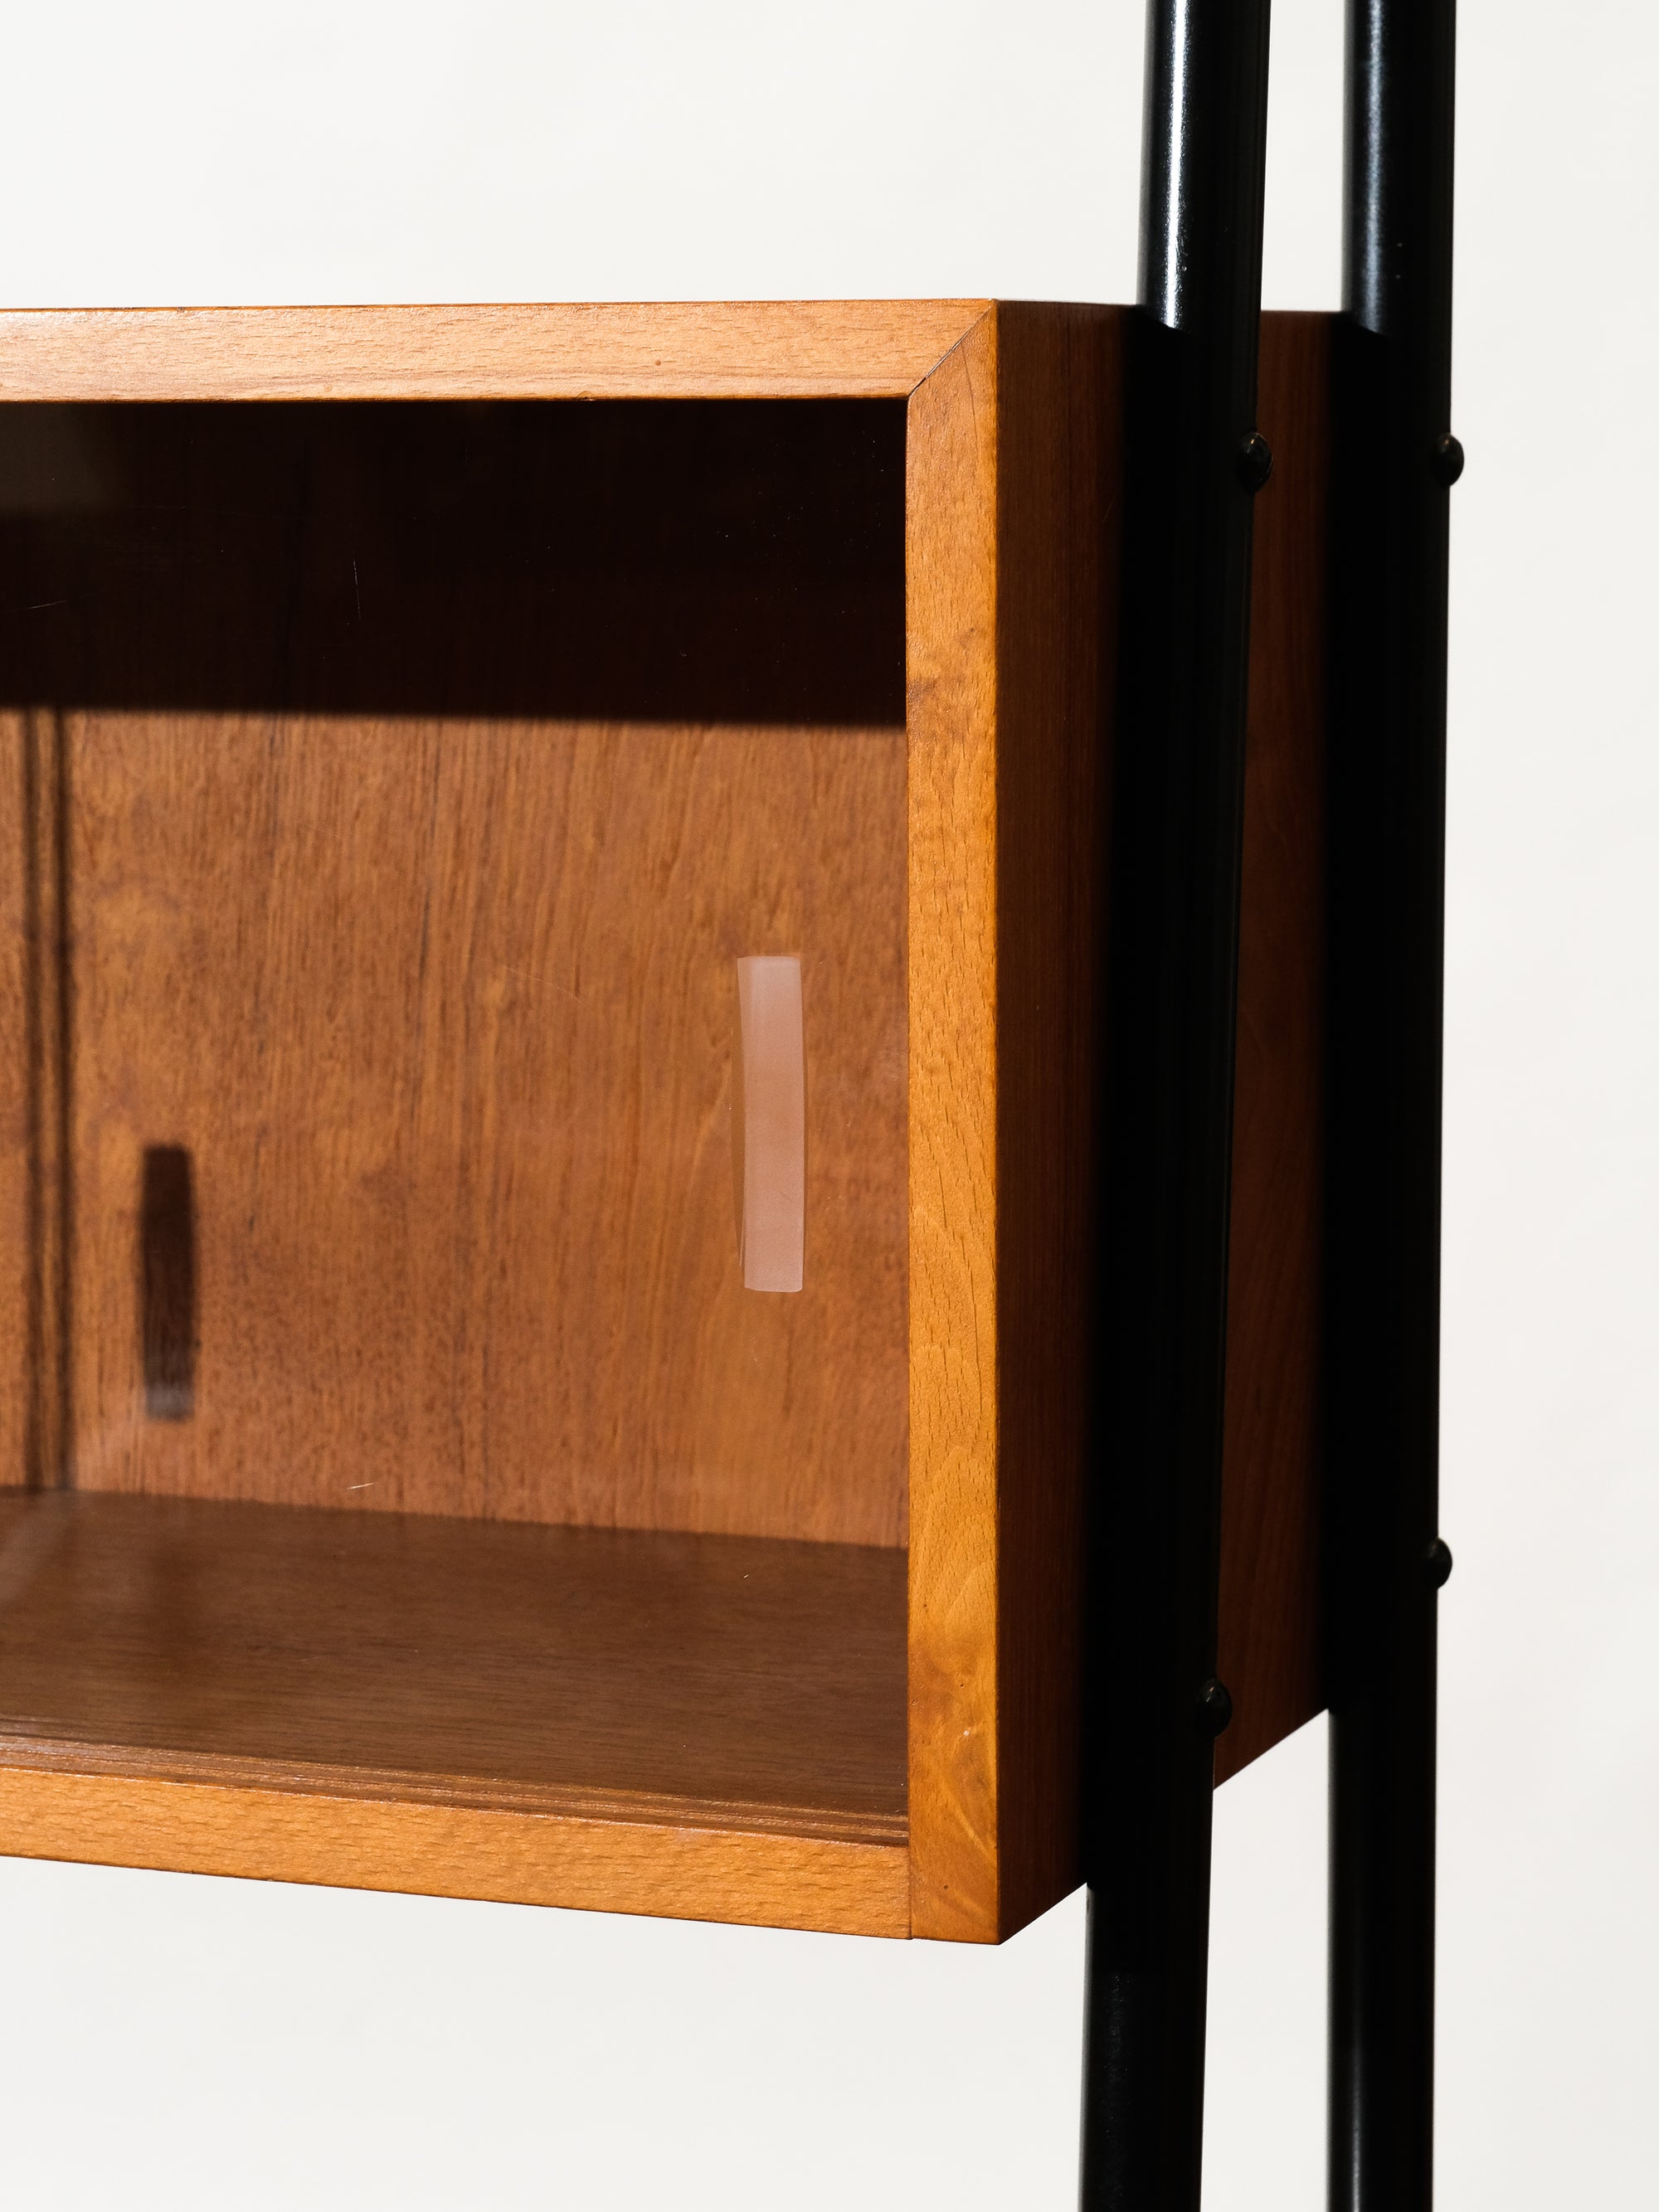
(547,1679)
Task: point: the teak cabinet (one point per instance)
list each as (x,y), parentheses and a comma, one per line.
(413,720)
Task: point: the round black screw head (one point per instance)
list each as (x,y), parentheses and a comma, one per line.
(1215,1708)
(1447,459)
(1254,461)
(1439,1564)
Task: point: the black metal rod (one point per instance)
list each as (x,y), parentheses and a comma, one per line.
(1395,460)
(1153,1708)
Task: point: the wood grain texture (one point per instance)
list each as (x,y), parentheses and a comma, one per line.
(1011,462)
(442,1005)
(700,1726)
(35,1174)
(684,560)
(617,1672)
(1268,1639)
(951,645)
(19,1149)
(685,1872)
(726,349)
(446,1016)
(1060,454)
(397,873)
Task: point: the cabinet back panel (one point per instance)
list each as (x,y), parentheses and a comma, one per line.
(408,783)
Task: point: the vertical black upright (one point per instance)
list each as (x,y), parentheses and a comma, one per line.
(1194,461)
(1395,462)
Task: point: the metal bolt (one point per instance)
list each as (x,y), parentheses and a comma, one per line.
(1447,460)
(1439,1564)
(1215,1708)
(1254,461)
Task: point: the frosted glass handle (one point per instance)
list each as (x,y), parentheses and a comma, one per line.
(771,1122)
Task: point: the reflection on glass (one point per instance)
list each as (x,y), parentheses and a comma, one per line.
(771,1122)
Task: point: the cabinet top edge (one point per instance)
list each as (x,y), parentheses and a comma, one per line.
(818,348)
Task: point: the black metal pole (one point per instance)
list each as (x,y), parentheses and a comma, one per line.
(1153,1710)
(1394,461)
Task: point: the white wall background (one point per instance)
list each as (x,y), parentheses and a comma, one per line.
(185,2043)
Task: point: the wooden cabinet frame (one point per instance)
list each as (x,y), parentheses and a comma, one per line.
(1014,459)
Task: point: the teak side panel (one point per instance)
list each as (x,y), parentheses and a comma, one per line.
(684,1872)
(1013,455)
(951,526)
(997,1470)
(1269,1623)
(1059,455)
(722,350)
